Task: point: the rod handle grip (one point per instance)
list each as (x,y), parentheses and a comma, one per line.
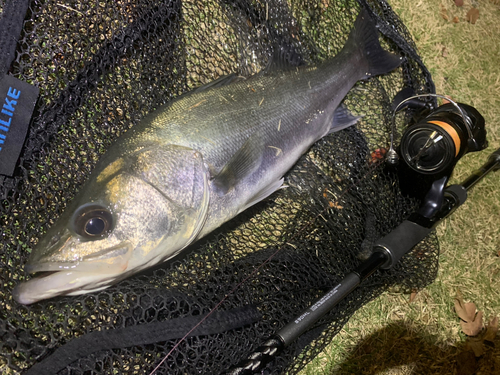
(400,241)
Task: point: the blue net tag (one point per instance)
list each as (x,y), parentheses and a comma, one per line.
(17,102)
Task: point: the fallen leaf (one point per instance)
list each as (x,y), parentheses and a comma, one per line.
(378,155)
(413,295)
(444,52)
(459,3)
(491,329)
(335,205)
(444,12)
(474,326)
(460,306)
(455,19)
(471,322)
(472,15)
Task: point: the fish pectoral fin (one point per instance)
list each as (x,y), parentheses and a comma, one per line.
(243,163)
(263,193)
(343,118)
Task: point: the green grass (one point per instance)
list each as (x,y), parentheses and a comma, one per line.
(391,335)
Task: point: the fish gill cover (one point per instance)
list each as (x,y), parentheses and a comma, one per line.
(101,67)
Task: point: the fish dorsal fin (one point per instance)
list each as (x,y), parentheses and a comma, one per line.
(283,59)
(243,163)
(219,82)
(343,118)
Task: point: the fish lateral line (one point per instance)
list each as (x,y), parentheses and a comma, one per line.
(208,140)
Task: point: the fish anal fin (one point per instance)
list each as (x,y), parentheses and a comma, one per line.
(343,118)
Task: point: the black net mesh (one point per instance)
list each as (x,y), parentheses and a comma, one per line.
(101,66)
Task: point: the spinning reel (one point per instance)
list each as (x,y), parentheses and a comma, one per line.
(430,148)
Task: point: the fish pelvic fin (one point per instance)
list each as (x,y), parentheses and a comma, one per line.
(364,38)
(263,193)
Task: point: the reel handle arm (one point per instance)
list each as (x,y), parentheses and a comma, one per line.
(491,165)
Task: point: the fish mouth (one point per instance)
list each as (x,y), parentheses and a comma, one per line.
(55,283)
(51,279)
(110,260)
(41,268)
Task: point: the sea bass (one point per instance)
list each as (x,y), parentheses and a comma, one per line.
(194,164)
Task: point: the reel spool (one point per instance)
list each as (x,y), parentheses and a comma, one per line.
(430,148)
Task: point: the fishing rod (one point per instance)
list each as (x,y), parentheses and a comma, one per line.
(427,154)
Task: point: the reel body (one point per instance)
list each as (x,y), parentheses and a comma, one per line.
(430,148)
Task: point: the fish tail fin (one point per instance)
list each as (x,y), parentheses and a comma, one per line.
(364,38)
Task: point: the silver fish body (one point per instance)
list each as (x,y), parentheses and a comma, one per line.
(195,163)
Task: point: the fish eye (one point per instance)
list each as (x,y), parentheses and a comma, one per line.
(92,221)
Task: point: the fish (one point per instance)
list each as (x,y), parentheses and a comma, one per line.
(195,163)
